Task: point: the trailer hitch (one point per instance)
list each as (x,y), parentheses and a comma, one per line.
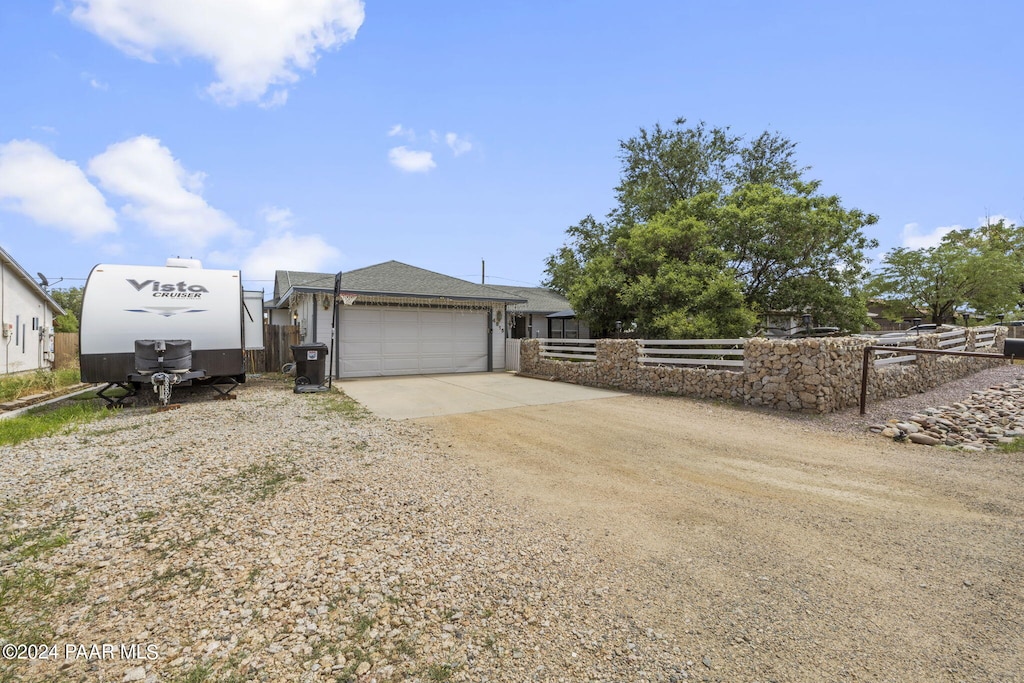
(162,383)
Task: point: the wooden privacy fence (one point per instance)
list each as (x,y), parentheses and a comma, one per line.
(65,350)
(709,353)
(277,341)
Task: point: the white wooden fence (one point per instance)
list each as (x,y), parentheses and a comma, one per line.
(512,354)
(894,356)
(569,349)
(954,340)
(985,337)
(707,353)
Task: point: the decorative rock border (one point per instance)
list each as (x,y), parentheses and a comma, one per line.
(987,419)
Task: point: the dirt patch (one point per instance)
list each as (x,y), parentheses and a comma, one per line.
(774,549)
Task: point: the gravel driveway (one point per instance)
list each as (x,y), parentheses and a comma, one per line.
(296,537)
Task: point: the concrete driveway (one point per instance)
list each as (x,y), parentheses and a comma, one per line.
(431,395)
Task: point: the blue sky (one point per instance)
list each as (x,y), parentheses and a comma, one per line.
(332,134)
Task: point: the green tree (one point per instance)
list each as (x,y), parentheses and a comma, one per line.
(70,299)
(66,323)
(981,270)
(786,245)
(667,277)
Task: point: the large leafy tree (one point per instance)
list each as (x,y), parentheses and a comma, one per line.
(667,277)
(980,270)
(782,244)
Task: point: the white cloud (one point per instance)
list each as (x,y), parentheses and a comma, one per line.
(398,130)
(913,238)
(458,145)
(52,191)
(255,46)
(410,160)
(160,193)
(94,82)
(289,252)
(278,218)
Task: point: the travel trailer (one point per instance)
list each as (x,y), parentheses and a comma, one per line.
(167,326)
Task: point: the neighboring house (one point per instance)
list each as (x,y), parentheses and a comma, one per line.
(546,313)
(26,313)
(396,319)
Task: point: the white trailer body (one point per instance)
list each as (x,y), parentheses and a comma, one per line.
(123,304)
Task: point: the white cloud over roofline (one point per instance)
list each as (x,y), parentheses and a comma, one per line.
(288,251)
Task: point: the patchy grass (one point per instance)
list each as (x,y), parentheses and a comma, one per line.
(47,420)
(29,595)
(26,384)
(1017,446)
(339,402)
(197,674)
(264,480)
(442,672)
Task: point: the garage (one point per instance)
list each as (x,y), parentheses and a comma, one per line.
(381,341)
(395,319)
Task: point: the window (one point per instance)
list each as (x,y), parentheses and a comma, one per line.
(563,328)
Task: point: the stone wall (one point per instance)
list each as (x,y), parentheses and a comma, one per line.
(817,375)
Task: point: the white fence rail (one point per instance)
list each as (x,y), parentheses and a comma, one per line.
(708,353)
(894,356)
(512,354)
(955,340)
(985,337)
(569,349)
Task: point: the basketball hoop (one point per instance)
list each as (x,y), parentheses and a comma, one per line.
(347,299)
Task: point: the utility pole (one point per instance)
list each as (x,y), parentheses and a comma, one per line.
(483,272)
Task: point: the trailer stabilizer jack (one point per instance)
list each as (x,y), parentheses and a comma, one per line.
(114,402)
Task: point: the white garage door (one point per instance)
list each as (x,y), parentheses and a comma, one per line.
(376,341)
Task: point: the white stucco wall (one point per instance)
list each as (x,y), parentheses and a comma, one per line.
(25,348)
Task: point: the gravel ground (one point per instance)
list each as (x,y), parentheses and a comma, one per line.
(281,537)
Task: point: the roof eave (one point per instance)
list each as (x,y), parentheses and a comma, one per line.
(23,275)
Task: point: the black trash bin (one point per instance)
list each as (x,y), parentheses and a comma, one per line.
(310,367)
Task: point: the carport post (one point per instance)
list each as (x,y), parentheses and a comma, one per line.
(334,329)
(490,340)
(864,379)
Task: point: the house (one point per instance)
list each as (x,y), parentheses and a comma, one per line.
(27,314)
(396,319)
(546,313)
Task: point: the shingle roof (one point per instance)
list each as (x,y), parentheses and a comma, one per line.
(538,299)
(391,279)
